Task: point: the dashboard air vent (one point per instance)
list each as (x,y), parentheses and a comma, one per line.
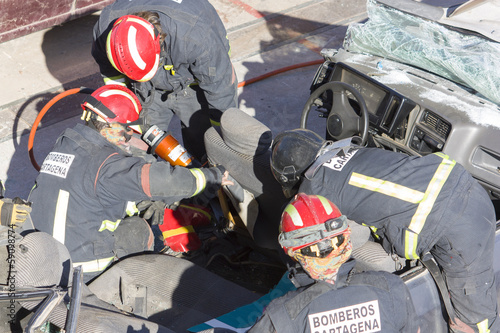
(434,122)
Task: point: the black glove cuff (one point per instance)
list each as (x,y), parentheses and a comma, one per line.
(214,175)
(19,201)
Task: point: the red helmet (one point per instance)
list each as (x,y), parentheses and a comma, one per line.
(316,234)
(133,48)
(311,220)
(114,103)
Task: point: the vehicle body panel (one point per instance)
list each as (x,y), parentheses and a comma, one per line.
(472,123)
(19,18)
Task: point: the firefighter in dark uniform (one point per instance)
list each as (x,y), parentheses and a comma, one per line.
(332,297)
(179,64)
(414,205)
(89,183)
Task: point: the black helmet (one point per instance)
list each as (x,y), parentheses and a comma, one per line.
(293,152)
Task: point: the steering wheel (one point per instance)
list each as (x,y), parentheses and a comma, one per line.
(342,121)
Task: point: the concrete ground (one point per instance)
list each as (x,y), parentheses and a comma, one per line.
(264,35)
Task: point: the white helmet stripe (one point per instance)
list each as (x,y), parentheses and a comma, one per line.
(108,93)
(132,45)
(153,70)
(149,27)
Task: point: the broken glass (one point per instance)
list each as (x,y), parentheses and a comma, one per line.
(464,58)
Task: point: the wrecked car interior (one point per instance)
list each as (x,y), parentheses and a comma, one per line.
(413,84)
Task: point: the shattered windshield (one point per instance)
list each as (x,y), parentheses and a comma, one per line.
(464,58)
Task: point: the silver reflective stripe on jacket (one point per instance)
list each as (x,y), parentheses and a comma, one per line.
(424,200)
(59,230)
(97,265)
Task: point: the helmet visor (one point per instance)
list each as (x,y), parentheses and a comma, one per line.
(301,238)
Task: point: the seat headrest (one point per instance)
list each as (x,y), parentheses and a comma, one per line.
(245,134)
(42,261)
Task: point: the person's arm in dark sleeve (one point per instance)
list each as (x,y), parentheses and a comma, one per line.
(176,183)
(215,74)
(132,179)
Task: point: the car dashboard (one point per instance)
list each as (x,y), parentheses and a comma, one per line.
(416,112)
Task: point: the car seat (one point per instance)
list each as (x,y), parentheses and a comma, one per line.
(243,148)
(144,293)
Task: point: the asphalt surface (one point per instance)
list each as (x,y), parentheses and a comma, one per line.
(265,36)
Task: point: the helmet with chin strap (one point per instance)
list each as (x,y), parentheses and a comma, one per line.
(292,153)
(312,225)
(133,48)
(316,234)
(113,103)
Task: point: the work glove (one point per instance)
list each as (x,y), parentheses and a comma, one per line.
(13,213)
(153,211)
(236,190)
(213,178)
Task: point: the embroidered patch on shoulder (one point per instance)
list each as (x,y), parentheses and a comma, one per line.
(338,162)
(57,164)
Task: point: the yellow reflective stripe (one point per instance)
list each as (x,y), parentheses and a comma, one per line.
(179,231)
(326,204)
(214,123)
(131,208)
(109,52)
(443,156)
(109,225)
(59,229)
(373,229)
(94,265)
(386,187)
(483,326)
(200,180)
(119,79)
(294,215)
(199,210)
(425,206)
(431,194)
(411,241)
(170,68)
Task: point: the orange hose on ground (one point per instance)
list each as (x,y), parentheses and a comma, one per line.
(39,118)
(279,71)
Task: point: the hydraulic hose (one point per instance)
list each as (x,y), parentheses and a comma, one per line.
(46,108)
(279,71)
